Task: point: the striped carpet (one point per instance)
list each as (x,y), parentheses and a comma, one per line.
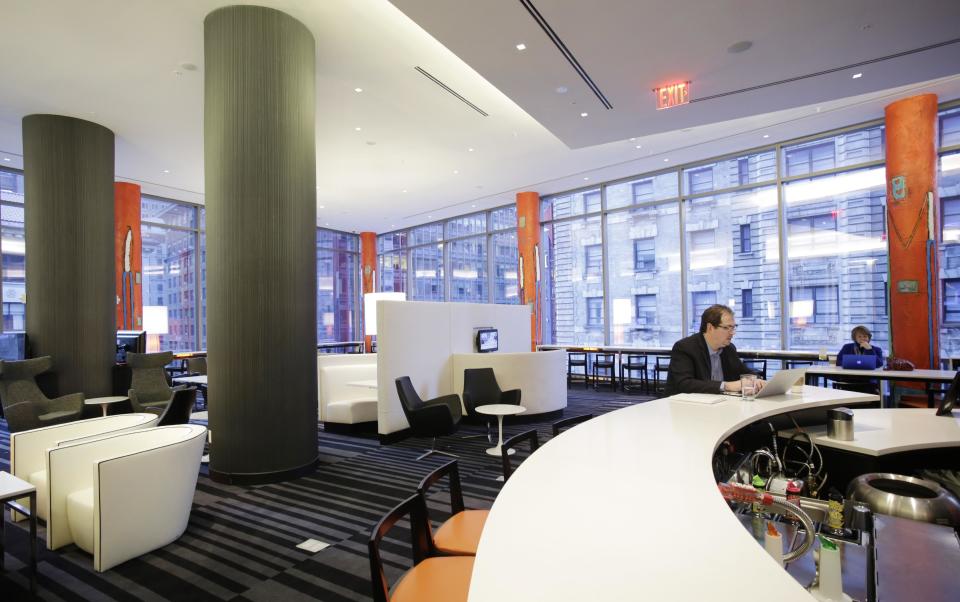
(240,542)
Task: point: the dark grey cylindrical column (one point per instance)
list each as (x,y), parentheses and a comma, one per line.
(68,222)
(260,169)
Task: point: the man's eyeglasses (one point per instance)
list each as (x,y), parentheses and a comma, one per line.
(728,327)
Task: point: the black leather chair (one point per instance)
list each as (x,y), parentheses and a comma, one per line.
(568,422)
(459,535)
(24,404)
(607,363)
(630,363)
(432,418)
(577,359)
(511,443)
(480,388)
(757,366)
(179,409)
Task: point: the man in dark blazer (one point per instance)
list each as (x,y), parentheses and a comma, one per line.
(707,362)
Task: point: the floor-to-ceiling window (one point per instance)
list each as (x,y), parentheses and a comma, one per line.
(792,237)
(13,250)
(171,233)
(471,258)
(949,192)
(338,285)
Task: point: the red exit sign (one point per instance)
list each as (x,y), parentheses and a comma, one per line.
(672,95)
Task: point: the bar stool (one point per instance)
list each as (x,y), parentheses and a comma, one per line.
(662,365)
(634,362)
(577,359)
(607,362)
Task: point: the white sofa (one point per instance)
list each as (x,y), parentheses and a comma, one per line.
(541,376)
(121,496)
(340,402)
(28,448)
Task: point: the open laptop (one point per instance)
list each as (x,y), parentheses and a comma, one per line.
(859,362)
(781,382)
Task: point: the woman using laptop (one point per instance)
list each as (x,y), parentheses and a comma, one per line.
(861,336)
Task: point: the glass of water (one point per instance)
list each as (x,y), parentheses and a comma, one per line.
(748,386)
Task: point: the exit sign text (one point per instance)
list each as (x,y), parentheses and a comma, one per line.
(672,95)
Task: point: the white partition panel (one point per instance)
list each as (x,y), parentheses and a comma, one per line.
(418,339)
(541,376)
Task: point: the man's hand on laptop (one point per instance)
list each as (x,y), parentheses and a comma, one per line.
(731,386)
(760,384)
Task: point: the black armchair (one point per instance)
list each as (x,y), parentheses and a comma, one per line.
(431,418)
(24,404)
(480,388)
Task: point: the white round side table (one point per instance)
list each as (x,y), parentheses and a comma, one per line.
(499,410)
(103,402)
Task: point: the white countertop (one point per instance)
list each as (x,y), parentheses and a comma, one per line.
(879,432)
(919,374)
(625,507)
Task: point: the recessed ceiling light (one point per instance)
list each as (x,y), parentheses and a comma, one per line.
(584,114)
(456,171)
(320,207)
(473,206)
(357,129)
(429,217)
(393,225)
(586,177)
(326,223)
(521,46)
(632,139)
(639,146)
(469,150)
(666,160)
(166,171)
(857,75)
(404,191)
(562,89)
(766,135)
(6,159)
(741,46)
(358,90)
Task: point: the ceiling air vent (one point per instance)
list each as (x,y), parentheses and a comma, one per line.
(427,75)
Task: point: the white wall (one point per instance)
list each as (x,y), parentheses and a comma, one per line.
(418,338)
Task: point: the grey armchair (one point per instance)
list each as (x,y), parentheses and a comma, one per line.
(149,390)
(24,404)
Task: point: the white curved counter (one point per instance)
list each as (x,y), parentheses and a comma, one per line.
(541,376)
(625,507)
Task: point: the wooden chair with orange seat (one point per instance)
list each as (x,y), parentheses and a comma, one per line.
(433,578)
(511,443)
(460,534)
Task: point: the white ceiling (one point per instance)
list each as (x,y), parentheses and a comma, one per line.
(117,62)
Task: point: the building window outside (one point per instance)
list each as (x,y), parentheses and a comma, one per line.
(699,180)
(746,303)
(809,158)
(468,269)
(950,127)
(645,307)
(951,301)
(642,191)
(743,171)
(814,305)
(745,243)
(427,265)
(644,255)
(593,260)
(594,312)
(699,302)
(505,258)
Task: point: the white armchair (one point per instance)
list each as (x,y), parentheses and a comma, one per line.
(28,459)
(121,496)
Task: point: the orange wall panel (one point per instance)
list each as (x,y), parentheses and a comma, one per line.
(129,271)
(528,243)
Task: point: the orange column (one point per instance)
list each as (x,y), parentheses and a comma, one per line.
(128,259)
(528,244)
(368,266)
(912,229)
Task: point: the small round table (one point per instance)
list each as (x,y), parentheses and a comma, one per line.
(499,410)
(103,402)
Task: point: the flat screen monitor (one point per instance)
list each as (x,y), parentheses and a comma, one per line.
(487,340)
(13,346)
(130,341)
(945,407)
